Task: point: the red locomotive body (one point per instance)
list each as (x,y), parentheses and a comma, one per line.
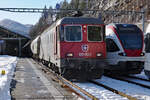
(77,47)
(83,48)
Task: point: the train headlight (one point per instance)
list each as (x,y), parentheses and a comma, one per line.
(69,55)
(84,26)
(142,54)
(122,54)
(99,54)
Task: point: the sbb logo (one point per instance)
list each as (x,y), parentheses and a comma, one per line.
(84,48)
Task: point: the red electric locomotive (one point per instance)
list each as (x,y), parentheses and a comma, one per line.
(74,47)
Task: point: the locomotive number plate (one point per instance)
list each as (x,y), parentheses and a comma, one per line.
(85,54)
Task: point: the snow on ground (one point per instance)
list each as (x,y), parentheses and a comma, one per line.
(142,75)
(125,87)
(100,92)
(7,63)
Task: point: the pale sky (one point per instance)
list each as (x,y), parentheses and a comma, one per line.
(25,18)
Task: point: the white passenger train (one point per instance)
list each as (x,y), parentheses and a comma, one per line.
(147,50)
(125,48)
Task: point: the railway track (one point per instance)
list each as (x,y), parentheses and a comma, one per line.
(131,81)
(67,84)
(134,77)
(113,90)
(79,91)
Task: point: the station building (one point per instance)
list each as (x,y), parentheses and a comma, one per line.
(13,43)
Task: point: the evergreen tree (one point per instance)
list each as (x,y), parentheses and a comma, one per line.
(74,4)
(64,6)
(41,25)
(83,5)
(45,12)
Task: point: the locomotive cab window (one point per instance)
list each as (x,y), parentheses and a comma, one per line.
(61,33)
(95,33)
(73,33)
(111,46)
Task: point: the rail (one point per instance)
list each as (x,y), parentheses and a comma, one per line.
(65,83)
(126,80)
(114,90)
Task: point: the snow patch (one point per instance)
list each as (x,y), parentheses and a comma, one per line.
(130,89)
(7,63)
(100,92)
(16,27)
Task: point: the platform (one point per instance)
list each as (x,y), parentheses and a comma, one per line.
(30,83)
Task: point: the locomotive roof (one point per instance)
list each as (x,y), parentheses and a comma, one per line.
(80,20)
(120,24)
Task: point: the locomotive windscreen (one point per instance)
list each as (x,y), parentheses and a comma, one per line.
(73,33)
(95,33)
(130,36)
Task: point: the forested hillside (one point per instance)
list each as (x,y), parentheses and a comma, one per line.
(48,17)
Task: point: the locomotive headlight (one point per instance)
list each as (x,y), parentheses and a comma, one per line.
(142,54)
(122,54)
(69,54)
(84,26)
(99,54)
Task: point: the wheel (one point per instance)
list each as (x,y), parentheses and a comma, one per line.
(97,73)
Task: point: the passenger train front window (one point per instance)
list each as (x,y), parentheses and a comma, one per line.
(73,33)
(94,33)
(130,36)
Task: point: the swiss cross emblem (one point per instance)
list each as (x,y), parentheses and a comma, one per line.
(84,48)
